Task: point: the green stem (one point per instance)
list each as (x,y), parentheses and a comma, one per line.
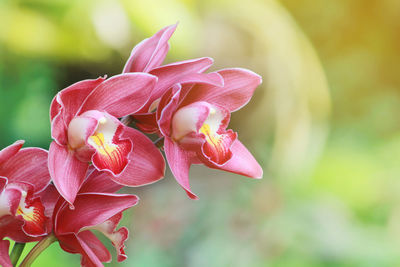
(16,252)
(37,249)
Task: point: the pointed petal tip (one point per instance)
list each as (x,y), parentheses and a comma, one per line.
(192,196)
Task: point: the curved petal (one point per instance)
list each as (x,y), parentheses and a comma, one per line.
(239,86)
(117,237)
(71,243)
(121,95)
(67,172)
(146,163)
(146,123)
(29,165)
(217,147)
(179,72)
(242,162)
(49,198)
(179,161)
(189,119)
(59,129)
(79,130)
(99,182)
(72,97)
(112,150)
(151,52)
(65,106)
(32,213)
(168,105)
(95,245)
(4,257)
(8,152)
(90,210)
(12,227)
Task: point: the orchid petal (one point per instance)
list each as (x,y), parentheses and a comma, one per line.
(146,123)
(11,228)
(168,105)
(96,246)
(59,129)
(189,119)
(239,86)
(91,209)
(121,95)
(67,172)
(217,147)
(179,72)
(31,211)
(5,260)
(151,52)
(146,163)
(71,243)
(117,237)
(79,130)
(8,152)
(179,162)
(49,198)
(242,162)
(72,97)
(29,165)
(112,151)
(99,182)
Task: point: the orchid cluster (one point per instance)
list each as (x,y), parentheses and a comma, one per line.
(102,133)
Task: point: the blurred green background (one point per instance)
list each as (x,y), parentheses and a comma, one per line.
(329,196)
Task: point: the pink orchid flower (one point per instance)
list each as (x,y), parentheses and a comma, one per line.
(24,176)
(193,119)
(148,56)
(96,207)
(85,129)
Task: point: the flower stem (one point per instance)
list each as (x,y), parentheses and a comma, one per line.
(37,249)
(16,252)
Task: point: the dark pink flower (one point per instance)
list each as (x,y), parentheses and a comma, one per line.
(85,129)
(24,176)
(194,119)
(148,56)
(96,207)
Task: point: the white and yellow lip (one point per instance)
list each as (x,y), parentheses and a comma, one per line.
(17,202)
(98,133)
(207,122)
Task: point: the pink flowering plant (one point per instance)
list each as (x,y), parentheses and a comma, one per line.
(101,131)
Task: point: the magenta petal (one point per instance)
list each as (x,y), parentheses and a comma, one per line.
(72,243)
(49,198)
(146,163)
(90,210)
(239,86)
(4,257)
(29,165)
(242,162)
(178,72)
(121,95)
(12,227)
(72,97)
(168,105)
(99,182)
(96,246)
(59,129)
(67,172)
(151,52)
(179,161)
(11,150)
